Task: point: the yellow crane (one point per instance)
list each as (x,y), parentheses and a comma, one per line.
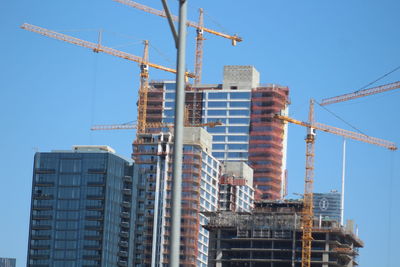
(127,126)
(143,61)
(308,213)
(198,26)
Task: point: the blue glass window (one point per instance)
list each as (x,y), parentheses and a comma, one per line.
(218,129)
(217,95)
(238,129)
(237,138)
(217,104)
(240,95)
(218,154)
(218,146)
(237,146)
(169,104)
(239,120)
(237,155)
(170,86)
(218,138)
(216,112)
(239,112)
(239,104)
(170,96)
(169,113)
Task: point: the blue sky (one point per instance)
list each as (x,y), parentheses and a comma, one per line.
(52,92)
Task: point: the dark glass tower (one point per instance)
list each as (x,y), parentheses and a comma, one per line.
(81,210)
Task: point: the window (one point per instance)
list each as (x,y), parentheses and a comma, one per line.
(239,112)
(239,104)
(70,165)
(237,138)
(217,104)
(217,95)
(239,121)
(218,155)
(216,113)
(170,96)
(240,95)
(170,86)
(237,146)
(238,129)
(218,129)
(218,138)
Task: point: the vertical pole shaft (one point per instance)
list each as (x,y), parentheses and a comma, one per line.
(178,136)
(343,180)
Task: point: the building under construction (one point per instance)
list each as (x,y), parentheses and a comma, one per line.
(247,133)
(270,236)
(153,154)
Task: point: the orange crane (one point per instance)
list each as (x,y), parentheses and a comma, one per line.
(143,61)
(308,213)
(198,26)
(360,93)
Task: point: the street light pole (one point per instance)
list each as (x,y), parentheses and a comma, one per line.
(176,204)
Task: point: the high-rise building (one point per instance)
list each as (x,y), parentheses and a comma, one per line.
(7,262)
(327,205)
(153,155)
(271,236)
(248,132)
(81,210)
(236,191)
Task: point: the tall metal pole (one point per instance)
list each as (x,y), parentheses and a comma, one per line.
(178,139)
(343,179)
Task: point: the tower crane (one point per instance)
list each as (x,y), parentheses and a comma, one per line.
(360,93)
(308,213)
(143,62)
(198,26)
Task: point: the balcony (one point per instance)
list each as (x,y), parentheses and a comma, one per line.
(40,257)
(96,183)
(124,225)
(94,218)
(127,179)
(123,254)
(42,197)
(94,197)
(92,257)
(126,204)
(123,244)
(125,215)
(42,207)
(98,247)
(42,217)
(127,191)
(124,234)
(92,237)
(45,171)
(122,263)
(44,183)
(40,237)
(41,227)
(42,247)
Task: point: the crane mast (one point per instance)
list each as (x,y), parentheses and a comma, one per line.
(143,90)
(308,213)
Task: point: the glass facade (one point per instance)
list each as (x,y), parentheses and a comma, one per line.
(81,209)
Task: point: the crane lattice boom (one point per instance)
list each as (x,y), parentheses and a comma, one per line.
(160,13)
(342,132)
(360,93)
(95,47)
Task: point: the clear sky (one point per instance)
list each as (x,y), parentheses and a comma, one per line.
(51,92)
